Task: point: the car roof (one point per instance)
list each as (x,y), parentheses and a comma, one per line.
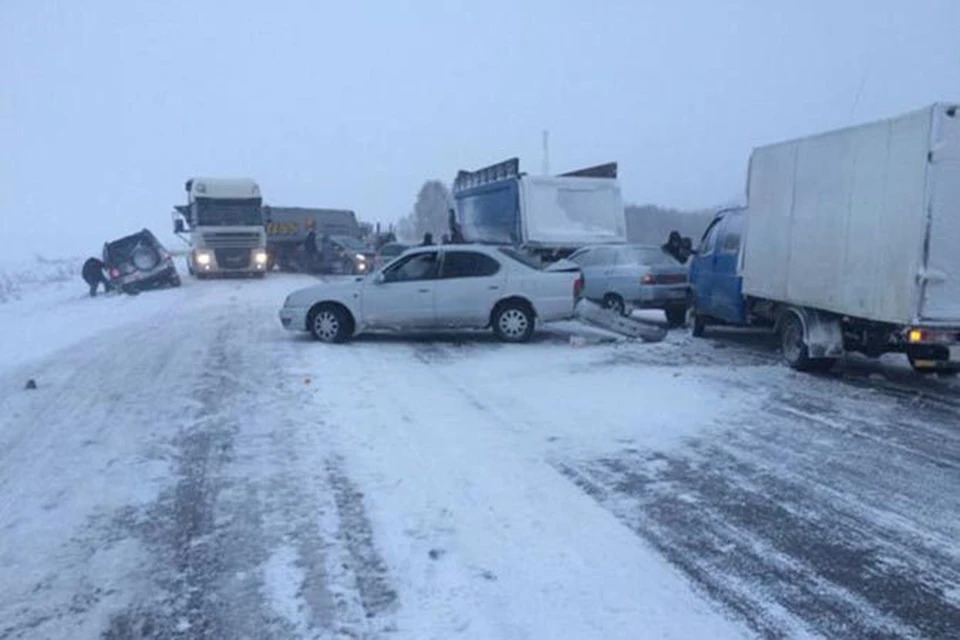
(479,248)
(143,233)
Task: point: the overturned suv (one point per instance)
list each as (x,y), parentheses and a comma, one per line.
(137,262)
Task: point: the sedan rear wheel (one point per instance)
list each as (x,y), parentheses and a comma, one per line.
(615,303)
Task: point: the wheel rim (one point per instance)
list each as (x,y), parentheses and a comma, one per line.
(792,340)
(615,304)
(513,323)
(326,326)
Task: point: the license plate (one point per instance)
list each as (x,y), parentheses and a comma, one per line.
(955,354)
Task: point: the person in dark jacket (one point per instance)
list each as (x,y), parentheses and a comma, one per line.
(92,273)
(310,243)
(673,245)
(427,239)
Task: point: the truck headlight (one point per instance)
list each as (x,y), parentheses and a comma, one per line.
(204,258)
(260,257)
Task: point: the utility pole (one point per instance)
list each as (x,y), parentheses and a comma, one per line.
(546,152)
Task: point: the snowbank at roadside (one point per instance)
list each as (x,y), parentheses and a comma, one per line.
(18,280)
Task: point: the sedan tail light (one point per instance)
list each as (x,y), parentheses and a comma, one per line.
(114,272)
(663,278)
(578,283)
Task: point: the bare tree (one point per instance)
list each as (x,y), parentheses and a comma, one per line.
(429,213)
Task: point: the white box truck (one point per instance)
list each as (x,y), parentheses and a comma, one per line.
(223,224)
(850,241)
(548,216)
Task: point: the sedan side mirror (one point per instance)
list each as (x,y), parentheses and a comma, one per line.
(379,278)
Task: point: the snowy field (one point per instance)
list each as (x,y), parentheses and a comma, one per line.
(187,469)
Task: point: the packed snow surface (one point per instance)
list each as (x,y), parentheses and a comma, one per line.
(187,468)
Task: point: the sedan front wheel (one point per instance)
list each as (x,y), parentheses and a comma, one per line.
(330,323)
(514,322)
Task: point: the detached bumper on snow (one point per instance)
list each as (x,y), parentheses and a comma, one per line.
(594,314)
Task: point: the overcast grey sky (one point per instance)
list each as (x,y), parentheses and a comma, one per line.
(106,107)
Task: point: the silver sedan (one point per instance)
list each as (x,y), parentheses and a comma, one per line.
(622,277)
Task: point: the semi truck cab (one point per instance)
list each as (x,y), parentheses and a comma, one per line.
(223,224)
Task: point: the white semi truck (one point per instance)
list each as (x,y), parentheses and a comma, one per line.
(223,224)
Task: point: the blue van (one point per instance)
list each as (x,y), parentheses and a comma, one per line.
(715,281)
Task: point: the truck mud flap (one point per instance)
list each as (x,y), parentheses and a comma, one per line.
(596,315)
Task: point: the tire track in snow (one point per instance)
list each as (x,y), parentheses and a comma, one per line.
(801,524)
(205,532)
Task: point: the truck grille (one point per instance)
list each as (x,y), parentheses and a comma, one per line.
(232,239)
(232,258)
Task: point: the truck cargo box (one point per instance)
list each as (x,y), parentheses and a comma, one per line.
(291,225)
(500,205)
(862,222)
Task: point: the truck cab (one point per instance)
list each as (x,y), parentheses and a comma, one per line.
(223,224)
(715,281)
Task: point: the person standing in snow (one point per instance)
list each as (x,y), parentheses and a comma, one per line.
(92,273)
(427,239)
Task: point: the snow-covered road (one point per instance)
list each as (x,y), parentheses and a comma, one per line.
(188,469)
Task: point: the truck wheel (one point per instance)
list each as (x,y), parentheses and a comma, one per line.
(792,345)
(699,325)
(794,349)
(676,317)
(615,303)
(513,322)
(330,323)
